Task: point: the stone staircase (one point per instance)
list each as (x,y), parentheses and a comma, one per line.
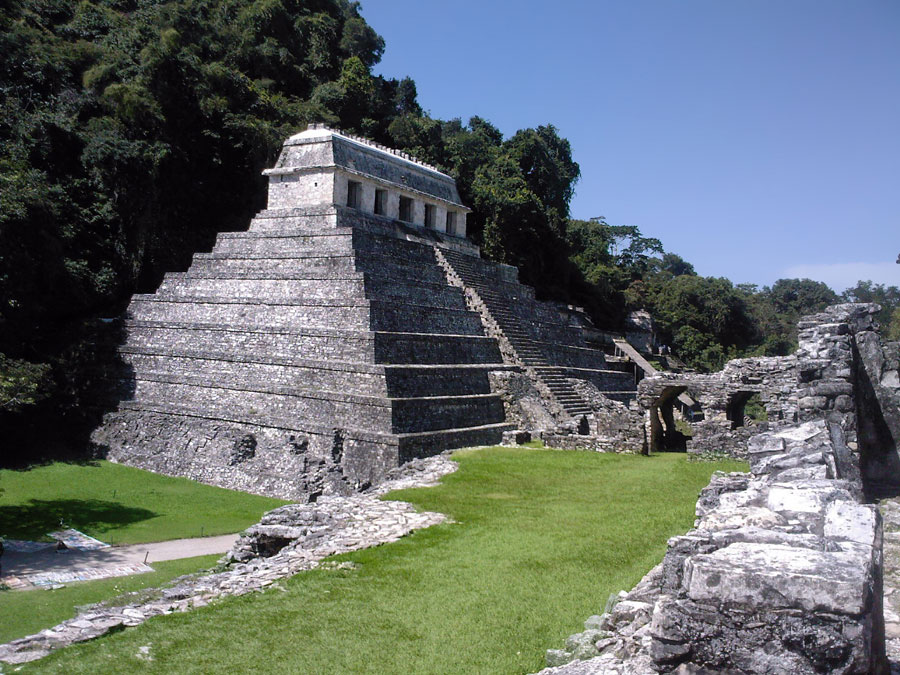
(534,333)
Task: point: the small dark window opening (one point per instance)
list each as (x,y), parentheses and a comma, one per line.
(451,222)
(381,202)
(354,193)
(429,215)
(406,209)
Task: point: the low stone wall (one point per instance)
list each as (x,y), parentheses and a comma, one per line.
(782,573)
(784,568)
(842,372)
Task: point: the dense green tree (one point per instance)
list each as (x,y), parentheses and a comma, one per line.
(777,309)
(611,254)
(893,329)
(132,131)
(798,297)
(704,319)
(545,161)
(22,383)
(675,265)
(886,296)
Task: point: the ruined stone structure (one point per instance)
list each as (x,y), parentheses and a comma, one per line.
(842,372)
(716,413)
(351,328)
(783,570)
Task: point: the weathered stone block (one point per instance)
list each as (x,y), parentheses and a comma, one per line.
(772,576)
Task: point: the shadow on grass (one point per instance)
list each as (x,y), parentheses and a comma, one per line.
(37,517)
(54,455)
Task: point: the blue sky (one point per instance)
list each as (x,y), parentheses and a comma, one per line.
(758,139)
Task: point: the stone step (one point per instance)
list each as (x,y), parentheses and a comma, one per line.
(403,347)
(235,370)
(499,291)
(446,412)
(410,251)
(312,343)
(235,312)
(516,308)
(268,401)
(354,287)
(315,234)
(304,256)
(306,221)
(379,315)
(479,269)
(250,244)
(281,423)
(392,267)
(404,317)
(418,292)
(427,443)
(405,381)
(190,286)
(320,267)
(565,392)
(272,341)
(262,403)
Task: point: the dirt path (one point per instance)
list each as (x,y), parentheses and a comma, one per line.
(22,571)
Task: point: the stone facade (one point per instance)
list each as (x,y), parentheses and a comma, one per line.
(337,337)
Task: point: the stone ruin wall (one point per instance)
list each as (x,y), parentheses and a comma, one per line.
(783,571)
(841,372)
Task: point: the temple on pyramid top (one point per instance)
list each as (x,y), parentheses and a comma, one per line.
(322,167)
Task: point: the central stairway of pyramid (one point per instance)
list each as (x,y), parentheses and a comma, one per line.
(340,336)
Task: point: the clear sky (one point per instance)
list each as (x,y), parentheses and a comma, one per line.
(758,139)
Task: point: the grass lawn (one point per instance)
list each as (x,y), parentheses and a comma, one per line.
(28,612)
(119,504)
(541,539)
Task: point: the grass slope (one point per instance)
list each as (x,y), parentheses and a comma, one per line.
(120,504)
(541,539)
(28,612)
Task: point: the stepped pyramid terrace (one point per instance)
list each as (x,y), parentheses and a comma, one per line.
(351,328)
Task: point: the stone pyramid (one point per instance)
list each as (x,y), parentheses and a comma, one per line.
(341,335)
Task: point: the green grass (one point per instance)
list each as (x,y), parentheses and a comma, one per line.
(28,612)
(541,539)
(119,504)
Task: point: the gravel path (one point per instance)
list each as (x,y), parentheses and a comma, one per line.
(24,571)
